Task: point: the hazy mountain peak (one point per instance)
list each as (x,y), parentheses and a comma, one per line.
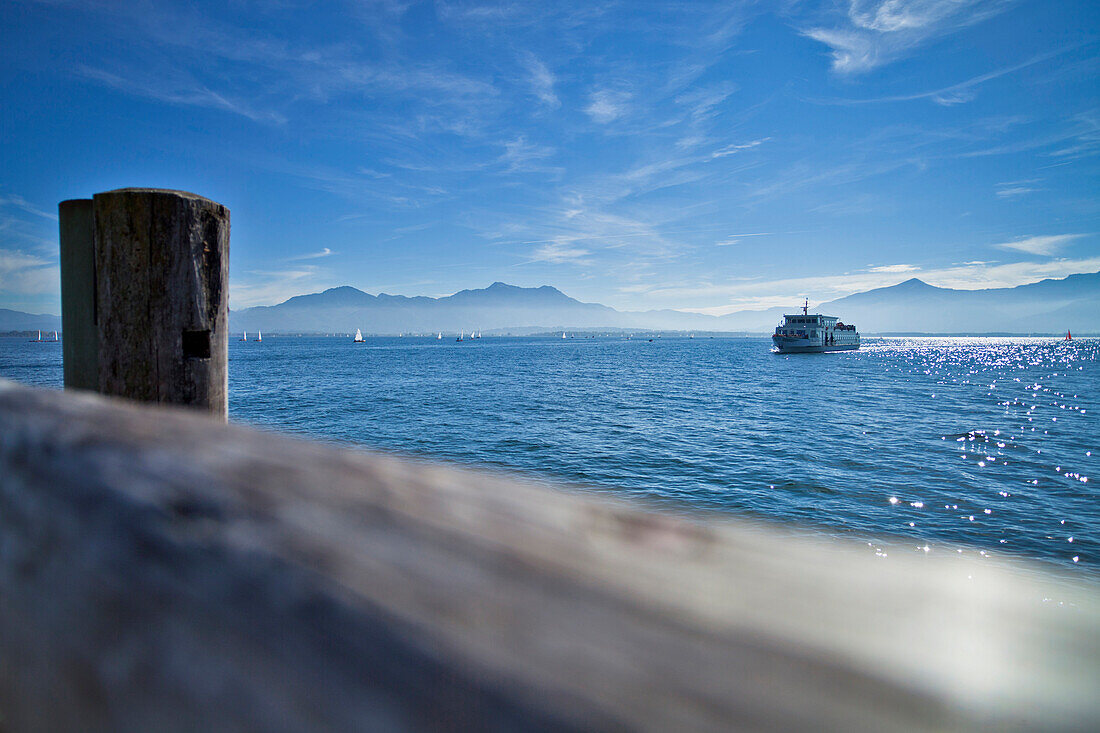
(342,295)
(503,292)
(912,285)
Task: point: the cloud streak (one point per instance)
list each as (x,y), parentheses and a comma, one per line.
(24,274)
(877,32)
(325,252)
(893,268)
(268,287)
(541,80)
(176,89)
(1044,245)
(22,204)
(559,252)
(954,94)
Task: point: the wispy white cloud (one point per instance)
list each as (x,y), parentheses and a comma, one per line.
(960,93)
(691,141)
(876,32)
(737,148)
(1085,137)
(26,228)
(520,155)
(1043,245)
(180,90)
(559,252)
(541,79)
(1014,191)
(184,57)
(22,204)
(701,102)
(607,105)
(25,274)
(733,239)
(893,268)
(325,252)
(267,287)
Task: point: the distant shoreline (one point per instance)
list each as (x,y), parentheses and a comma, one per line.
(637,334)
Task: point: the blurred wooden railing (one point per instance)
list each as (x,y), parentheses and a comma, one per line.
(162,571)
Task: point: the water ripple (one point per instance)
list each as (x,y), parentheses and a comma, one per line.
(954,445)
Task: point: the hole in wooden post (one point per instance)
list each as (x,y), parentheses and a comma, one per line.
(196,344)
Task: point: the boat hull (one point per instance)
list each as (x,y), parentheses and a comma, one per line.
(803,346)
(814,349)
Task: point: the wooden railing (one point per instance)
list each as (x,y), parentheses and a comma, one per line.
(162,571)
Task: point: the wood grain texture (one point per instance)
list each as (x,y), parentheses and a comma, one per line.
(159,571)
(80,347)
(162,269)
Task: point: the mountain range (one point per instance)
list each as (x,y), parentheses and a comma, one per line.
(1049,306)
(19,321)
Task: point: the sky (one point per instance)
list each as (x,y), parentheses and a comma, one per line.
(692,155)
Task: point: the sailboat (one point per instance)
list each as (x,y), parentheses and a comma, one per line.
(358,337)
(461,334)
(244,335)
(55,338)
(439,337)
(1068,336)
(563,334)
(34,341)
(259,336)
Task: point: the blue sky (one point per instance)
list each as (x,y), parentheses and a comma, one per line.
(704,156)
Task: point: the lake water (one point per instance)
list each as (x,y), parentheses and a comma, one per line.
(987,446)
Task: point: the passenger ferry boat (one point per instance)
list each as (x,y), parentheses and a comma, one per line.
(803,333)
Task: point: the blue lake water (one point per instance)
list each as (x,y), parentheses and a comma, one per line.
(987,446)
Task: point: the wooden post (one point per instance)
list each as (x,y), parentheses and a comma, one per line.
(78,321)
(162,275)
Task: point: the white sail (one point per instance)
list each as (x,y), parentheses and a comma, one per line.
(259,336)
(439,336)
(55,338)
(358,336)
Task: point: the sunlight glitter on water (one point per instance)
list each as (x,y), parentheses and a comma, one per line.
(945,443)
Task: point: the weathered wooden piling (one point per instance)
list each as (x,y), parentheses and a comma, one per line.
(161,573)
(162,275)
(78,318)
